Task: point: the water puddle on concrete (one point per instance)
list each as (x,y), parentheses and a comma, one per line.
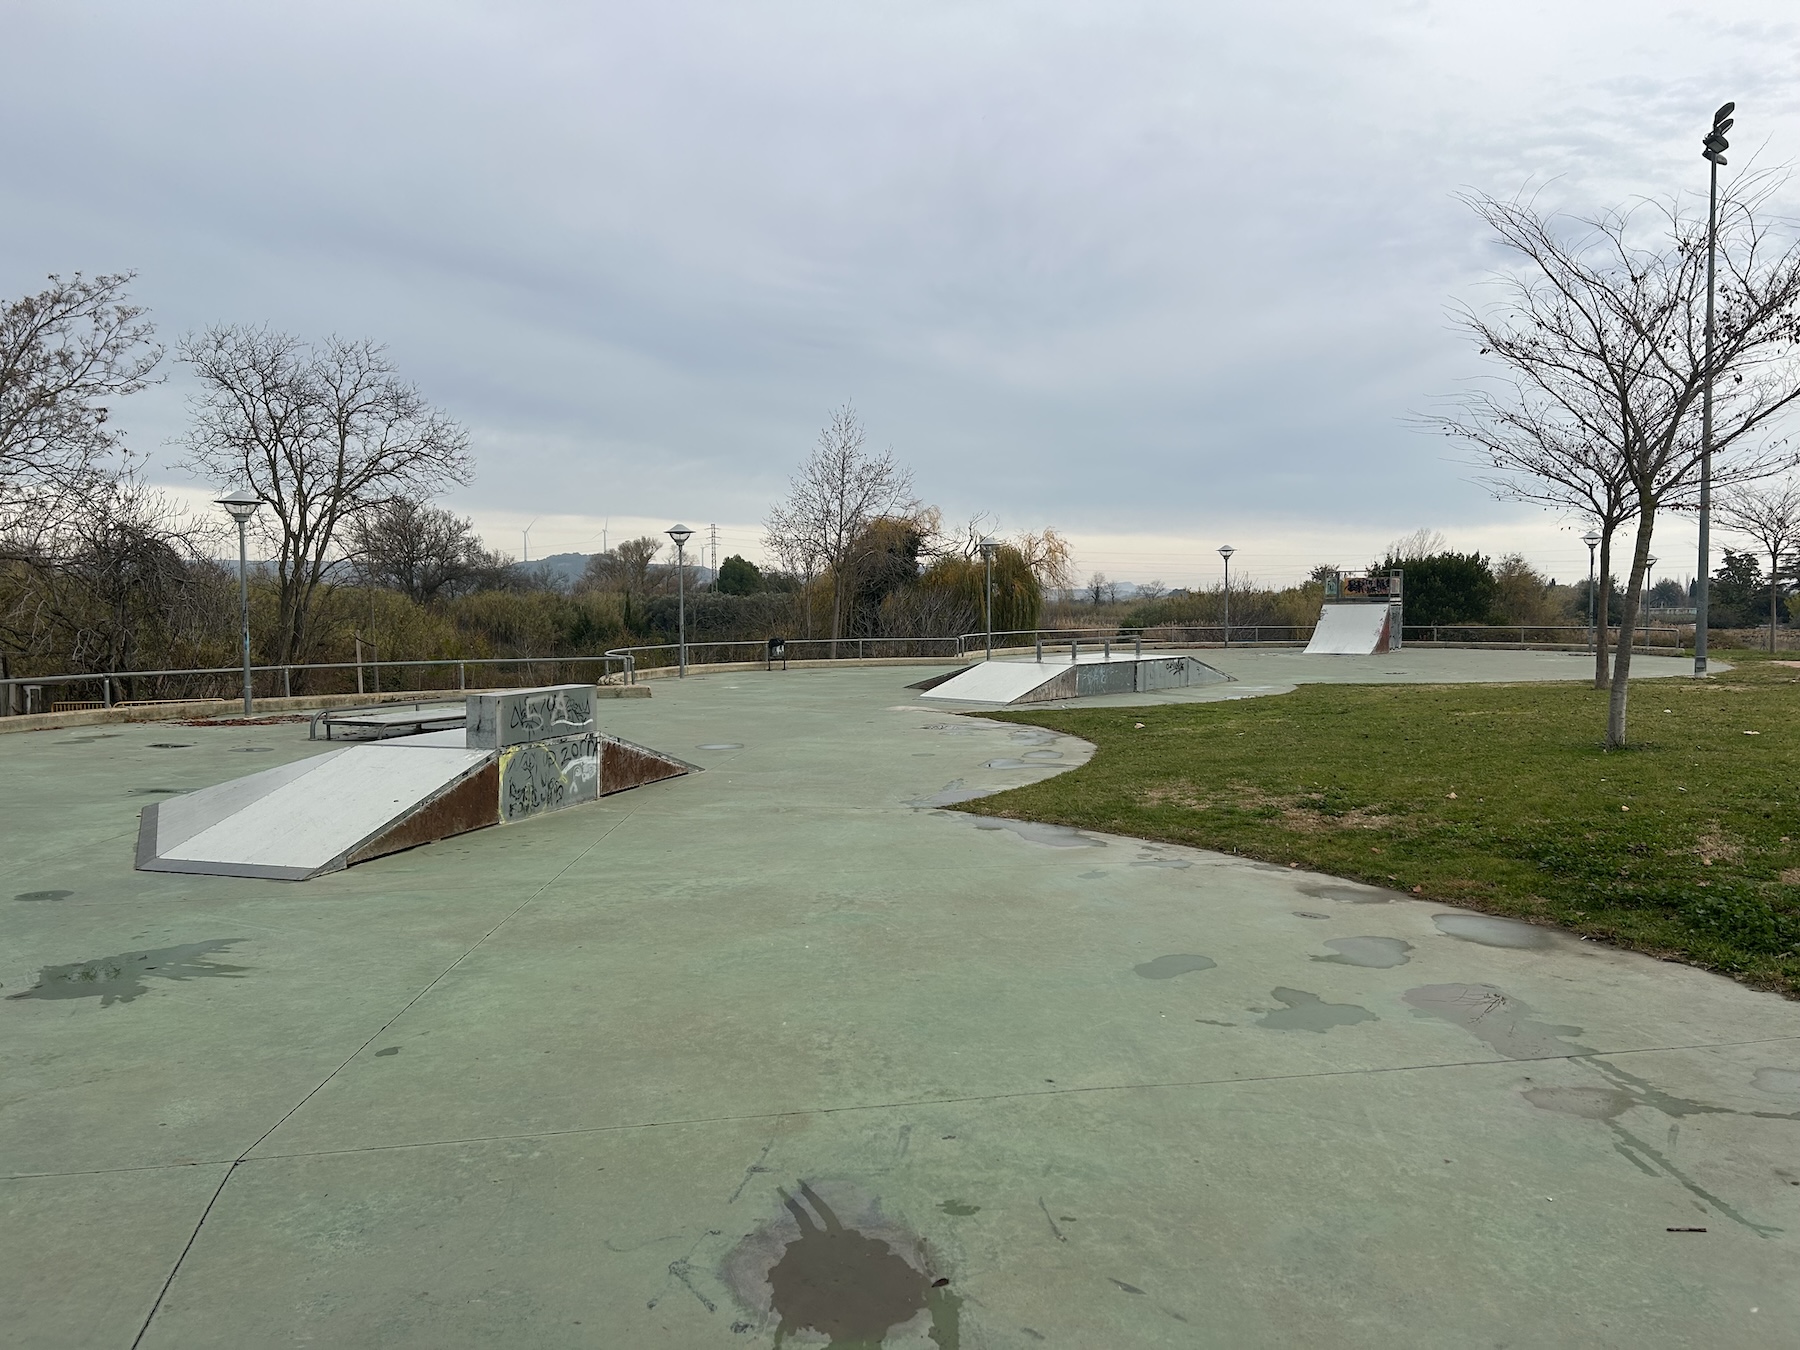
(43,895)
(1050,836)
(1492,932)
(852,1283)
(1347,893)
(120,979)
(1308,914)
(1033,736)
(1496,1018)
(251,749)
(1775,1082)
(1174,864)
(1006,764)
(1043,756)
(153,792)
(171,745)
(1308,1012)
(1168,967)
(1375,953)
(956,790)
(86,740)
(721,745)
(1590,1103)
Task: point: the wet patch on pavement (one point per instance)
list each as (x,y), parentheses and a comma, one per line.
(721,745)
(1590,1103)
(1492,932)
(1168,967)
(1348,893)
(956,790)
(120,979)
(1496,1018)
(1374,953)
(1035,832)
(1308,1012)
(853,1281)
(43,895)
(1775,1082)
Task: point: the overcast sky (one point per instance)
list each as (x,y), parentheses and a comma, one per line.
(1162,276)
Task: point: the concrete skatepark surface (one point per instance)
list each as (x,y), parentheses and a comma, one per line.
(650,1072)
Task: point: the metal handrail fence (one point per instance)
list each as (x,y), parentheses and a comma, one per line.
(112,683)
(624,663)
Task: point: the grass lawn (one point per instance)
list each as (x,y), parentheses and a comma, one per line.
(1498,797)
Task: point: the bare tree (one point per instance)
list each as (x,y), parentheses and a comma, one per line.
(420,550)
(1602,333)
(65,353)
(322,434)
(831,502)
(1770,514)
(625,569)
(1099,589)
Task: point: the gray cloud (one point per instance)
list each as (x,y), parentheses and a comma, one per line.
(1116,267)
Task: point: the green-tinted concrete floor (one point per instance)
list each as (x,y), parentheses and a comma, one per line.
(547,1085)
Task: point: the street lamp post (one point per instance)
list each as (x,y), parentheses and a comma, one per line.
(1714,155)
(1225,552)
(987,557)
(1592,540)
(240,506)
(681,534)
(1649,569)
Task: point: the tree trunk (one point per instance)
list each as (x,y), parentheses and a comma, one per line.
(1774,563)
(1602,599)
(1615,708)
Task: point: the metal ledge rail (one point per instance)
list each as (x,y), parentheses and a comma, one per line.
(623,663)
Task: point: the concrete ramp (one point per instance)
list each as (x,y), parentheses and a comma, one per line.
(1353,630)
(315,815)
(1051,681)
(363,801)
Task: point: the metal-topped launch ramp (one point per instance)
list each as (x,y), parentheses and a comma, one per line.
(522,753)
(1050,681)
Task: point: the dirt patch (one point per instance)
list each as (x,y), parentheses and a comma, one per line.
(1790,876)
(1712,843)
(1302,814)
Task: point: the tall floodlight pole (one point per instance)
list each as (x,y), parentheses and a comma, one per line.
(987,595)
(1714,155)
(1225,552)
(681,534)
(240,506)
(1592,540)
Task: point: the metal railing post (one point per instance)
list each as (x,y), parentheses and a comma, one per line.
(1073,643)
(1137,647)
(1040,647)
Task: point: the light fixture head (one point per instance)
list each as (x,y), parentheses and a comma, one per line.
(680,534)
(239,505)
(989,546)
(1226,550)
(1590,538)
